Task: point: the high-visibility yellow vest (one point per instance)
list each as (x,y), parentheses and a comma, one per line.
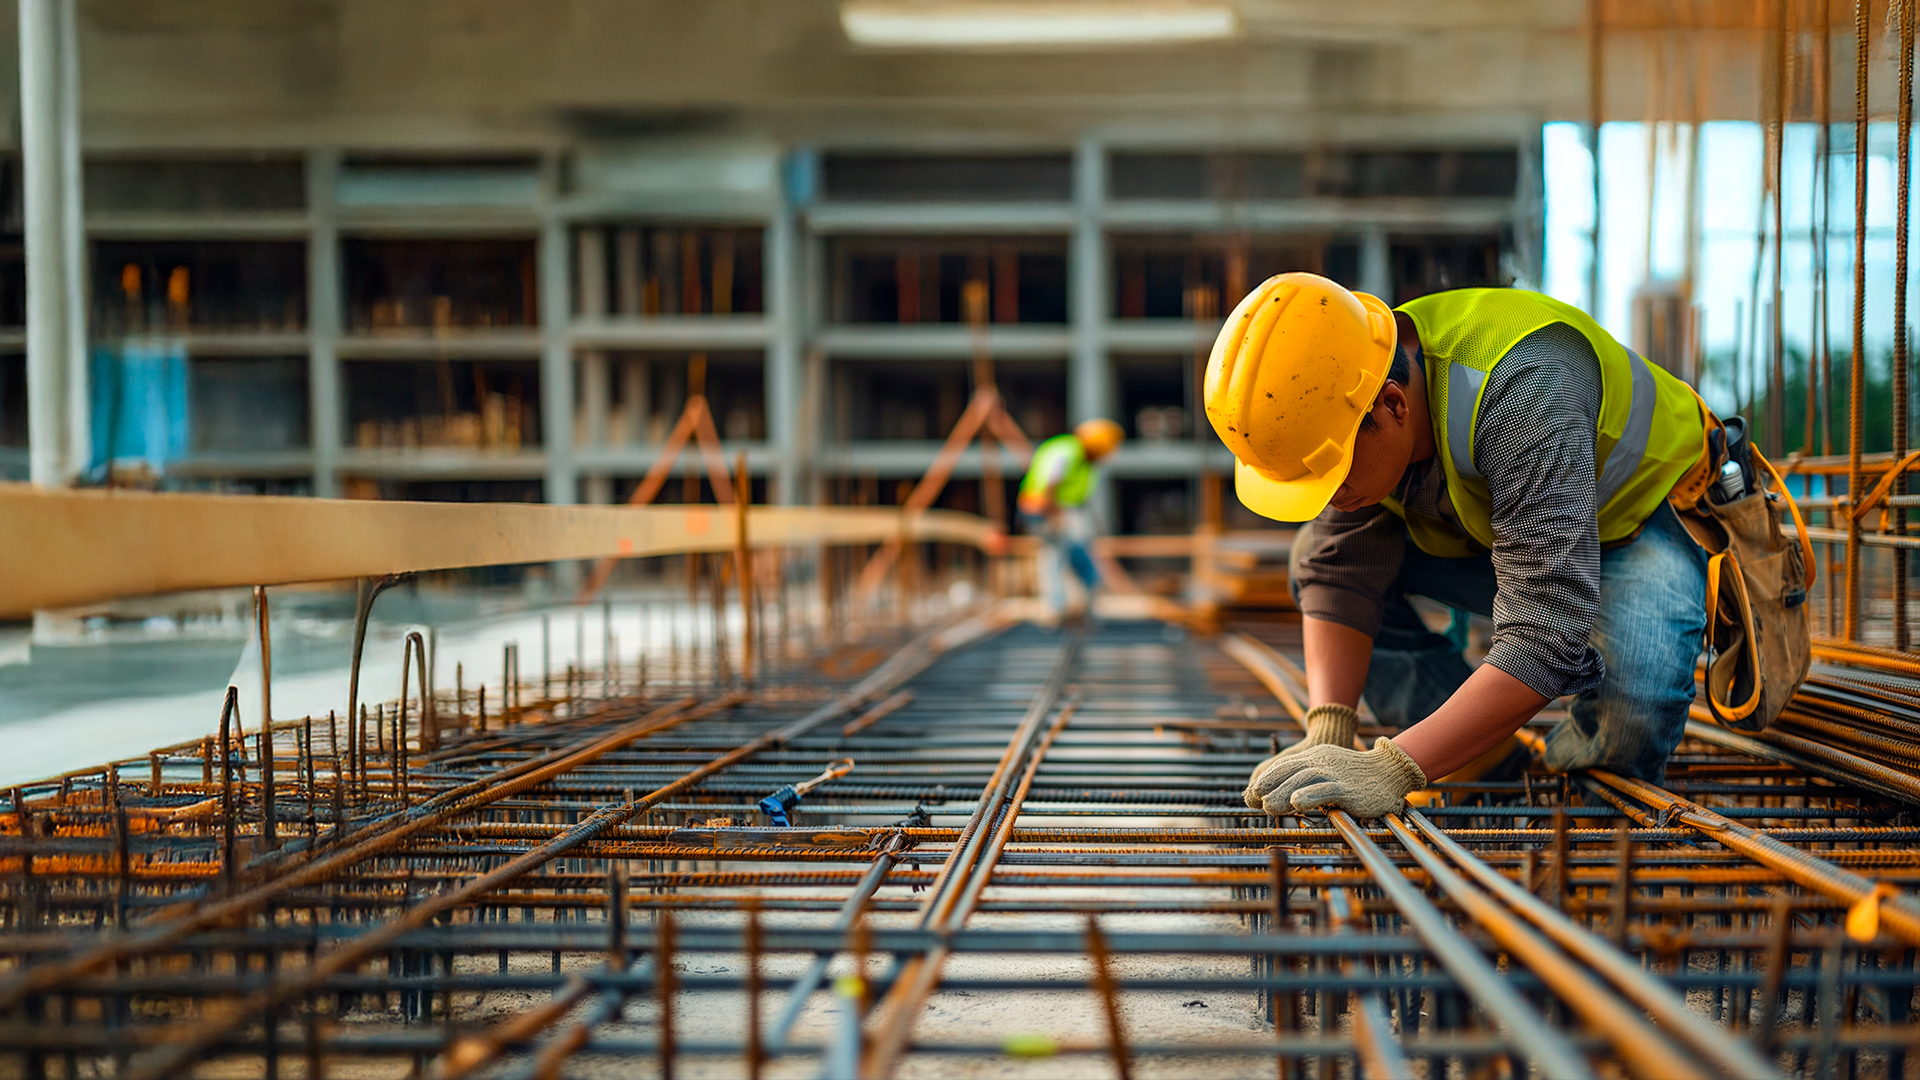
(1064,456)
(1651,431)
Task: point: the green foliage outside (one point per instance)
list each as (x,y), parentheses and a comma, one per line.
(1876,398)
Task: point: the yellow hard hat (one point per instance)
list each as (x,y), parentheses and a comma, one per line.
(1294,370)
(1099,436)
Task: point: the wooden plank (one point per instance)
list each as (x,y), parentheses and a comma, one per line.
(65,548)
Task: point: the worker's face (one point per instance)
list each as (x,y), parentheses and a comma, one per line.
(1381,453)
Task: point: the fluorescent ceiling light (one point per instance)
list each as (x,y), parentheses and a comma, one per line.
(1034,24)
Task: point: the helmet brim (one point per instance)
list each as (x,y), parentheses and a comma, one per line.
(1292,500)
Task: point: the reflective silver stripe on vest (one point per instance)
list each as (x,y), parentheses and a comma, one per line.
(1463,393)
(1624,461)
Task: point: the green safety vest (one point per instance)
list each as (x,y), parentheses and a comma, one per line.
(1076,477)
(1651,431)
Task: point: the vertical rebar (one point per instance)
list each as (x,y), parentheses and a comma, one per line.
(743,561)
(616,917)
(399,759)
(1280,1008)
(269,832)
(1596,108)
(1828,998)
(756,1054)
(117,821)
(1774,977)
(1622,882)
(229,719)
(1562,859)
(1823,222)
(665,984)
(721,659)
(307,772)
(1105,985)
(264,740)
(339,775)
(1821,351)
(1810,437)
(25,917)
(1777,380)
(1856,388)
(1901,406)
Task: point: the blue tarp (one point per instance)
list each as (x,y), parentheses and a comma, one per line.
(140,403)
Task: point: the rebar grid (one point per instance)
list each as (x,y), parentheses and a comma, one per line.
(1051,818)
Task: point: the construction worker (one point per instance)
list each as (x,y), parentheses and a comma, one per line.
(1494,450)
(1053,502)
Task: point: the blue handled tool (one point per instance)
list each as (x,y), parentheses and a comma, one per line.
(779,805)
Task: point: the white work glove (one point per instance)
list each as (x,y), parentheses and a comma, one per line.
(1327,725)
(1364,783)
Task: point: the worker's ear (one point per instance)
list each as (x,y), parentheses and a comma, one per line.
(1393,400)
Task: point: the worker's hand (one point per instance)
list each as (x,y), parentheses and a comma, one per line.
(1364,783)
(1327,725)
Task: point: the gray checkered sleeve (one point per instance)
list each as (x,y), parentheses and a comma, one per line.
(1534,443)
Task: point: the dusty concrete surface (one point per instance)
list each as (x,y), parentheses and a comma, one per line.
(1070,1015)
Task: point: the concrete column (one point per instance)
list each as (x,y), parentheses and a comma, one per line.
(556,356)
(327,409)
(56,385)
(1089,376)
(73,243)
(595,385)
(783,354)
(1089,382)
(1376,271)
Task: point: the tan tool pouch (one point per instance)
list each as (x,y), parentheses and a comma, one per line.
(1758,642)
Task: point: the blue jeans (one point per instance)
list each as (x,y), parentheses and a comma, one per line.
(1067,535)
(1648,632)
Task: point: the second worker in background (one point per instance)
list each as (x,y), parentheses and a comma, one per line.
(1053,504)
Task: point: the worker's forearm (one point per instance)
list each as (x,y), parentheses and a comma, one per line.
(1337,660)
(1488,707)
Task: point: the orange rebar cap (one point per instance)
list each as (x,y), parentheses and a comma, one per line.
(1294,370)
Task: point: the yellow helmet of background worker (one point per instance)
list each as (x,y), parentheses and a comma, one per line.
(1294,370)
(1099,436)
